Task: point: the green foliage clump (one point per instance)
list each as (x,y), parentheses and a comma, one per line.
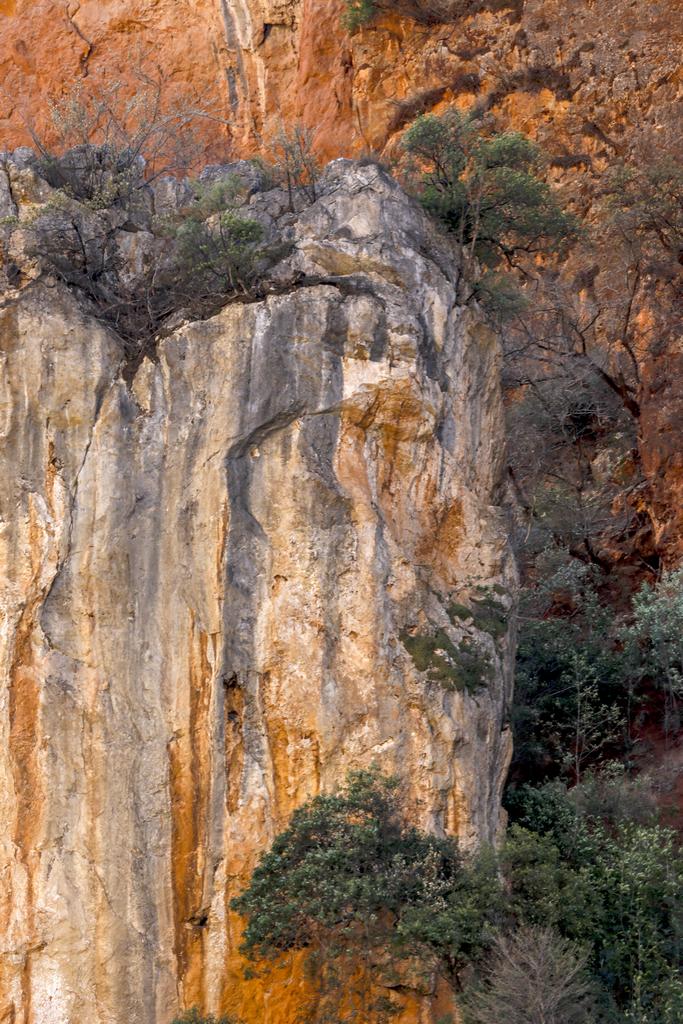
(655,641)
(587,880)
(500,296)
(351,882)
(545,887)
(193,1016)
(455,668)
(486,189)
(571,695)
(218,251)
(611,796)
(613,884)
(592,862)
(489,614)
(206,254)
(358,13)
(455,610)
(585,671)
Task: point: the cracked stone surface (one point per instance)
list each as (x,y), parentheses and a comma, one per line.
(206,575)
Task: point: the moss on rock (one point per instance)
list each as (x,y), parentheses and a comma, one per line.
(490,614)
(458,611)
(455,668)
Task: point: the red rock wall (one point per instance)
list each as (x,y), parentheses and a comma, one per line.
(580,75)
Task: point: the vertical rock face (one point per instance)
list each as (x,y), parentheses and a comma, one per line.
(212,579)
(591,81)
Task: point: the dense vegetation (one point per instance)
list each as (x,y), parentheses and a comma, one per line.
(485,188)
(203,252)
(586,884)
(587,674)
(365,894)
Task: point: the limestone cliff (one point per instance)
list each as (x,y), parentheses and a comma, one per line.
(211,576)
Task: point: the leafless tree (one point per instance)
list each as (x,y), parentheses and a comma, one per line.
(108,141)
(535,977)
(593,323)
(574,366)
(294,163)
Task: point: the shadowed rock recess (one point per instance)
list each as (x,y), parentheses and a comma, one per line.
(223,585)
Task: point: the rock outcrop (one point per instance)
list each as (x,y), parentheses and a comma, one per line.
(213,577)
(594,83)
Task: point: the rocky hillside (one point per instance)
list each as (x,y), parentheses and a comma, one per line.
(228,576)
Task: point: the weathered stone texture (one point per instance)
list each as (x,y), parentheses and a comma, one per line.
(588,79)
(205,575)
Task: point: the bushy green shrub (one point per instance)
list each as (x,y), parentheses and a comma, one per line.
(370,898)
(547,888)
(486,189)
(585,671)
(353,884)
(218,251)
(612,797)
(645,206)
(206,254)
(654,642)
(572,687)
(610,882)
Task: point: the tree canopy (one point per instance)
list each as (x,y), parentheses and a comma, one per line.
(486,188)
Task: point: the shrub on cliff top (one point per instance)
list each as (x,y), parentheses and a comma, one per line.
(203,256)
(295,165)
(218,251)
(105,145)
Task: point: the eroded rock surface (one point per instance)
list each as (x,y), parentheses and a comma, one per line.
(212,578)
